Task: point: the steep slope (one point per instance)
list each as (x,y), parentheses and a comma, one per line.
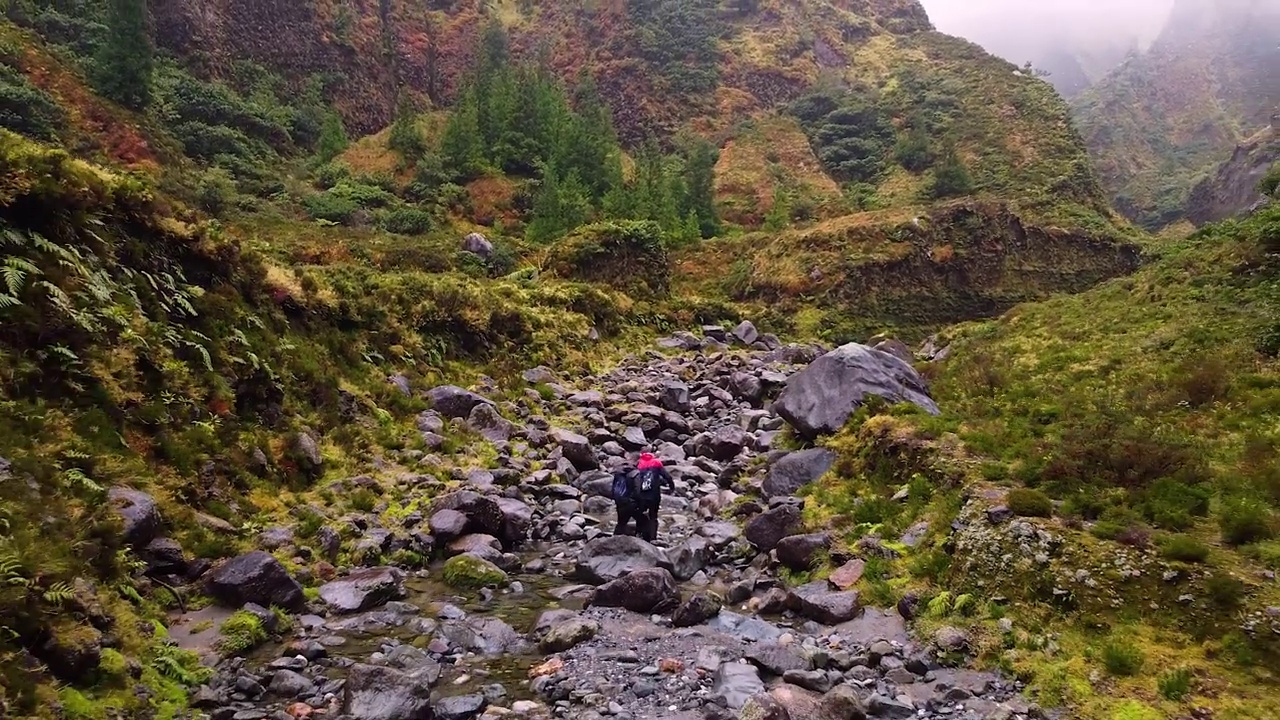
(1233,187)
(1165,118)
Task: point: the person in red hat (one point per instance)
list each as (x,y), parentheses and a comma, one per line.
(650,478)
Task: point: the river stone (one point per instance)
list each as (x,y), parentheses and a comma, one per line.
(140,513)
(727,442)
(819,399)
(576,449)
(746,333)
(799,552)
(452,401)
(609,558)
(374,692)
(289,684)
(689,557)
(486,420)
(484,635)
(485,514)
(460,707)
(568,634)
(698,609)
(673,395)
(364,589)
(795,470)
(843,703)
(768,528)
(763,706)
(445,524)
(642,591)
(817,601)
(882,706)
(255,577)
(775,658)
(735,683)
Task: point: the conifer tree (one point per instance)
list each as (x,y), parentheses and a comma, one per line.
(560,206)
(951,177)
(124,62)
(460,147)
(406,137)
(333,137)
(699,181)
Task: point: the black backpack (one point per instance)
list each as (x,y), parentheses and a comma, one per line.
(622,484)
(647,482)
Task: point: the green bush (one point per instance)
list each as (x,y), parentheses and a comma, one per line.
(27,109)
(367,196)
(330,174)
(326,206)
(1225,590)
(1026,502)
(408,221)
(1271,181)
(1122,658)
(1244,521)
(1184,548)
(1174,505)
(216,191)
(1175,684)
(240,633)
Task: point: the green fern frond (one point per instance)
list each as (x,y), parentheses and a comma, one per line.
(8,301)
(14,278)
(60,594)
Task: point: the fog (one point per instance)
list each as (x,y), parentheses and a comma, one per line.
(1022,30)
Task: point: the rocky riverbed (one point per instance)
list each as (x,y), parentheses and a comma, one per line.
(533,609)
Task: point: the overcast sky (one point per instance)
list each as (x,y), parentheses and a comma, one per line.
(1019,29)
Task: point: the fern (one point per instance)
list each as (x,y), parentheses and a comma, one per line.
(940,606)
(60,594)
(76,478)
(8,301)
(11,574)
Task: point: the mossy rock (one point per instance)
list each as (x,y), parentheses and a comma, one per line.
(1025,502)
(241,632)
(473,572)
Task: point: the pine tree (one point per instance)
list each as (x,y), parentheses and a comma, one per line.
(461,151)
(124,63)
(699,181)
(406,137)
(559,206)
(333,137)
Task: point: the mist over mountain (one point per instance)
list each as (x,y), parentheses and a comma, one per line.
(1077,42)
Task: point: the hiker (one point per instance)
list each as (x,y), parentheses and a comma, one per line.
(649,481)
(625,496)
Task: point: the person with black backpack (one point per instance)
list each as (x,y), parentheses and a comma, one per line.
(625,501)
(650,478)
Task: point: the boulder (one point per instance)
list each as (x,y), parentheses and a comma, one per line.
(139,512)
(818,602)
(673,395)
(763,706)
(896,348)
(698,609)
(746,333)
(486,420)
(888,708)
(689,557)
(446,524)
(727,442)
(71,650)
(734,683)
(800,552)
(848,575)
(487,636)
(255,577)
(746,386)
(469,571)
(776,658)
(819,399)
(568,634)
(374,692)
(460,707)
(540,375)
(769,527)
(306,452)
(951,639)
(364,589)
(576,449)
(516,518)
(165,556)
(452,401)
(484,513)
(477,244)
(843,703)
(795,470)
(608,558)
(642,591)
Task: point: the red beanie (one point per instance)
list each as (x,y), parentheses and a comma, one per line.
(648,461)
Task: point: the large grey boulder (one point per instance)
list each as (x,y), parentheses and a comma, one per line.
(139,512)
(795,470)
(486,420)
(374,692)
(817,601)
(477,244)
(800,552)
(609,558)
(643,591)
(735,683)
(504,518)
(768,528)
(255,577)
(819,399)
(576,448)
(364,589)
(452,401)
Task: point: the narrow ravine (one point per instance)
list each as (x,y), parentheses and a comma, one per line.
(567,620)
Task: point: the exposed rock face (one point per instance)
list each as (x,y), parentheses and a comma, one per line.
(819,399)
(452,401)
(364,589)
(768,528)
(1233,189)
(795,470)
(255,577)
(608,558)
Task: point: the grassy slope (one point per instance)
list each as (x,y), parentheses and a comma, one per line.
(1161,364)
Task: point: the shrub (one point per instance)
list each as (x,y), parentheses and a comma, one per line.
(1026,502)
(240,633)
(363,500)
(27,109)
(330,174)
(1184,548)
(1271,181)
(367,196)
(1225,590)
(215,191)
(1203,380)
(330,207)
(1173,505)
(408,221)
(1122,658)
(1245,521)
(1175,684)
